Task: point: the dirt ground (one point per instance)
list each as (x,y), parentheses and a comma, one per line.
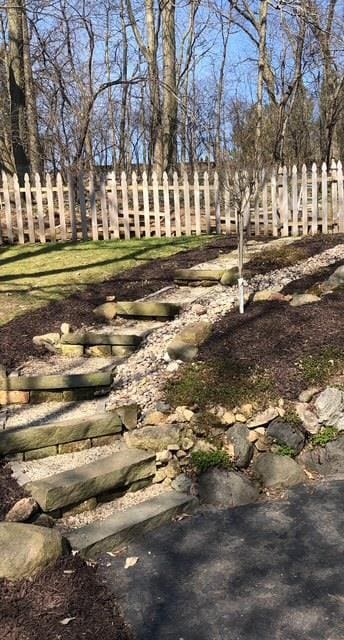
(16,336)
(10,491)
(39,609)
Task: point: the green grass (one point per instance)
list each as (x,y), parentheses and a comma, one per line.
(204,460)
(31,276)
(222,382)
(318,368)
(327,434)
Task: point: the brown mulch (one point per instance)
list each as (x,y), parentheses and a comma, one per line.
(34,609)
(16,336)
(10,491)
(273,336)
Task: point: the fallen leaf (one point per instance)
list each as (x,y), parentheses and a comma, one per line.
(68,571)
(309,474)
(67,620)
(130,562)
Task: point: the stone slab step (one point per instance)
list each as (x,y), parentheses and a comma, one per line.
(21,439)
(52,382)
(89,338)
(147,309)
(122,527)
(117,471)
(199,274)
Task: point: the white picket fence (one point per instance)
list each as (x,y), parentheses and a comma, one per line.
(290,202)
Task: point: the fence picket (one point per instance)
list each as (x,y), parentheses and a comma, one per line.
(314,199)
(207,202)
(50,202)
(136,205)
(295,208)
(83,212)
(60,199)
(113,207)
(125,205)
(217,203)
(197,203)
(19,211)
(7,202)
(103,208)
(324,207)
(334,195)
(265,205)
(40,210)
(273,186)
(187,215)
(340,197)
(93,206)
(167,210)
(146,204)
(156,204)
(304,192)
(176,200)
(71,206)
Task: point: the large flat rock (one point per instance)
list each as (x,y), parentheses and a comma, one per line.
(89,338)
(123,527)
(211,275)
(50,382)
(69,487)
(149,309)
(34,437)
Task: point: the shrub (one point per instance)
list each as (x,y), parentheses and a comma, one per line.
(204,460)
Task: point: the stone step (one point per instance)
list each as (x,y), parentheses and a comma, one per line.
(122,527)
(70,487)
(199,274)
(32,438)
(54,382)
(147,309)
(113,339)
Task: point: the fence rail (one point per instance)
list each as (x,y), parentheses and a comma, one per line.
(290,202)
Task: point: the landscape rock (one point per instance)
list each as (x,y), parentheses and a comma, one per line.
(228,418)
(238,436)
(263,418)
(184,345)
(106,311)
(154,438)
(308,417)
(267,295)
(229,277)
(327,460)
(275,471)
(337,278)
(43,520)
(65,328)
(49,341)
(22,510)
(27,549)
(226,488)
(182,483)
(300,299)
(308,394)
(286,434)
(163,457)
(154,418)
(329,406)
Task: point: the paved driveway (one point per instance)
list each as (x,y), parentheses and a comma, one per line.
(261,572)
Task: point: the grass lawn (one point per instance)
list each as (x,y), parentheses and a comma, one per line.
(31,276)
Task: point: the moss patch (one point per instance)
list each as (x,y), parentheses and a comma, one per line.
(204,460)
(320,367)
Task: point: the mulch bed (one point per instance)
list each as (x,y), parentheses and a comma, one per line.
(10,491)
(77,310)
(273,336)
(34,609)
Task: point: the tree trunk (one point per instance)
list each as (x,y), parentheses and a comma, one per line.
(170,105)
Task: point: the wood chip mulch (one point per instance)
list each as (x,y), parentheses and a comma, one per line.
(65,602)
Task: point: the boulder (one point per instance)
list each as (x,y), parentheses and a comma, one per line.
(337,278)
(49,341)
(263,418)
(329,407)
(184,345)
(155,438)
(287,434)
(27,549)
(268,295)
(182,483)
(308,417)
(106,311)
(300,299)
(275,471)
(239,437)
(327,460)
(226,488)
(22,510)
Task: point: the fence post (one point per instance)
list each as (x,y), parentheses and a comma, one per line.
(314,199)
(294,195)
(197,205)
(113,206)
(304,191)
(207,203)
(334,194)
(324,208)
